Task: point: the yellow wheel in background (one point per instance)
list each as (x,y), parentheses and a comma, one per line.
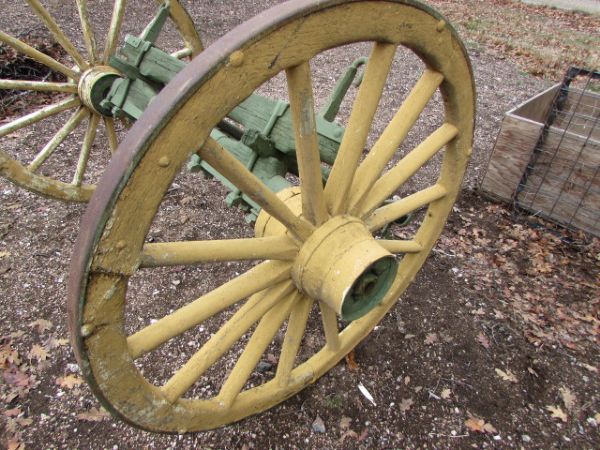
(72,96)
(295,226)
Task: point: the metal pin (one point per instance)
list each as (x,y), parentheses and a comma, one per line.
(236,59)
(87,330)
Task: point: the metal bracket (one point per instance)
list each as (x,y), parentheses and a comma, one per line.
(332,106)
(146,69)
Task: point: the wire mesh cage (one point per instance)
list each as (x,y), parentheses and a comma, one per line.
(547,155)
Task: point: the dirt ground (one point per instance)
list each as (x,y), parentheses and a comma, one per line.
(494,345)
(589,6)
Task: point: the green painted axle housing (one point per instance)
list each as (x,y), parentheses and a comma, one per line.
(267,146)
(258,132)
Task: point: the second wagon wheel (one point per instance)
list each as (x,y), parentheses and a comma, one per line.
(314,246)
(26,142)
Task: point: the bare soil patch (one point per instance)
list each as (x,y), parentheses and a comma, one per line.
(16,66)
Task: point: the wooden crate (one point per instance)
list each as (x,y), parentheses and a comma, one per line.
(551,171)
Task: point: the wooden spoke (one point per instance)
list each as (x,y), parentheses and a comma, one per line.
(387,214)
(400,246)
(293,339)
(38,56)
(361,118)
(58,34)
(58,138)
(255,280)
(255,348)
(88,32)
(406,168)
(330,327)
(307,145)
(112,38)
(86,147)
(196,252)
(256,307)
(38,115)
(394,134)
(25,85)
(186,27)
(226,164)
(183,53)
(111,133)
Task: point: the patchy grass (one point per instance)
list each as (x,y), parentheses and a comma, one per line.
(543,41)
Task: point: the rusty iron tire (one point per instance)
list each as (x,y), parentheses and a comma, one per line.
(112,243)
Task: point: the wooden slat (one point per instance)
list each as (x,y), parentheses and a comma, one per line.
(537,107)
(559,154)
(562,202)
(512,153)
(564,184)
(580,113)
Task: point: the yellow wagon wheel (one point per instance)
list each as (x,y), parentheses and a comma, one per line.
(84,76)
(315,243)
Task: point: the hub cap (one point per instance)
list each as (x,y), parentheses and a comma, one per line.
(340,264)
(94,85)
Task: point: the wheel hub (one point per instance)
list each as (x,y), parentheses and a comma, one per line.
(94,85)
(340,264)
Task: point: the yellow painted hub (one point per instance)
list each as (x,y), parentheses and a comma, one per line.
(94,85)
(266,225)
(340,264)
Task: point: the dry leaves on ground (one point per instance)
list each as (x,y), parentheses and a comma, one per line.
(543,41)
(93,415)
(568,398)
(406,404)
(547,279)
(431,339)
(507,376)
(446,394)
(38,352)
(483,340)
(69,381)
(18,376)
(557,413)
(347,432)
(41,325)
(345,423)
(14,444)
(480,425)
